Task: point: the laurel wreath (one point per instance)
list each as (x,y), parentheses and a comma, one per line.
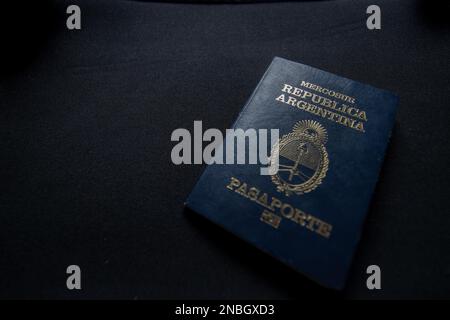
(315,180)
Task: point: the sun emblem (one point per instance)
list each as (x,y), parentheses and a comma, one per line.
(303,159)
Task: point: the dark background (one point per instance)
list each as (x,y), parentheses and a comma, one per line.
(85,124)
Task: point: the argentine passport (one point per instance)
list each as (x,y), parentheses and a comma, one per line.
(309,214)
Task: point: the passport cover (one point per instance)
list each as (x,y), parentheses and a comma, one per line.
(332,139)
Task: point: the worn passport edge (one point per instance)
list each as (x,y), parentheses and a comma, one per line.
(372,189)
(363,223)
(266,252)
(343,77)
(342,284)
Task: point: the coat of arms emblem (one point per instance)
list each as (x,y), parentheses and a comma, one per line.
(303,159)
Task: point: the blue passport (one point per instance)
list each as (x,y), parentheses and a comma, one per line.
(333,134)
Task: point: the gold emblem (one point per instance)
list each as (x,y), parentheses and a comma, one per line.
(303,159)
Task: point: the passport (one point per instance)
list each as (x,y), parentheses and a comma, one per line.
(333,134)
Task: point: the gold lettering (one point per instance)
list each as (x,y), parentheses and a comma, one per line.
(277,209)
(270,218)
(299,217)
(287,88)
(281,98)
(242,189)
(349,116)
(324,229)
(290,212)
(263,200)
(275,203)
(233,183)
(253,193)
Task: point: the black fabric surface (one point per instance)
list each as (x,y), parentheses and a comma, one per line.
(85,124)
